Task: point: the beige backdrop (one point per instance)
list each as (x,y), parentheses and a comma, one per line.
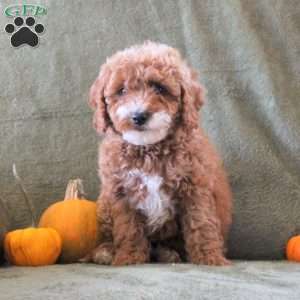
(247,53)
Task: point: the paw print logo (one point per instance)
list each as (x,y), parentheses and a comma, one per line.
(24,33)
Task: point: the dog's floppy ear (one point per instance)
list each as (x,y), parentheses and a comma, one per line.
(96,100)
(192,94)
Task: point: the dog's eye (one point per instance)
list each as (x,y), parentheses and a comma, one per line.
(158,88)
(121,91)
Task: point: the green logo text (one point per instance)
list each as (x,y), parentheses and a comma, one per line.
(25,10)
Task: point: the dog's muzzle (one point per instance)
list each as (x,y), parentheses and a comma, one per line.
(140,118)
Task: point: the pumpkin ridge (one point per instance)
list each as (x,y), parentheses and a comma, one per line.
(57,239)
(23,240)
(292,248)
(296,251)
(13,246)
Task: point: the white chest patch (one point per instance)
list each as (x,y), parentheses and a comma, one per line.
(157,205)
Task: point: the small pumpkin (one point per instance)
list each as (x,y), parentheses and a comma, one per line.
(75,220)
(32,246)
(293,249)
(4,228)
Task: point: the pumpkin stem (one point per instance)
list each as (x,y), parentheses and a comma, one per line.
(27,199)
(74,189)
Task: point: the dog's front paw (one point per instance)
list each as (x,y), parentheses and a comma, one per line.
(102,255)
(212,258)
(124,259)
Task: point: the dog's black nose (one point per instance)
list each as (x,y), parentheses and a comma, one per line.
(140,118)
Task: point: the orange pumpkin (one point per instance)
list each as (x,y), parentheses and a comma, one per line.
(293,249)
(31,246)
(75,220)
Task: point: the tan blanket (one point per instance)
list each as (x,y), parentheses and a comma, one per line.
(247,53)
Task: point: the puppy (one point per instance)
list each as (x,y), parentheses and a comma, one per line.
(164,196)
